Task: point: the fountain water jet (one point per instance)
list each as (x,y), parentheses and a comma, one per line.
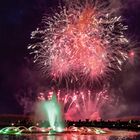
(51,109)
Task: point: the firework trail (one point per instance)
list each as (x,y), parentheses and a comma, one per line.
(84,42)
(82,104)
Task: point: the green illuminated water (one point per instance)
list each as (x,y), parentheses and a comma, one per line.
(52,110)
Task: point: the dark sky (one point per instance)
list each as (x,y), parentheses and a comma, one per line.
(17,19)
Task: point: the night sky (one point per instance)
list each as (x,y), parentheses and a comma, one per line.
(17,73)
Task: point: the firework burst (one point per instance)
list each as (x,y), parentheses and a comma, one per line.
(82,42)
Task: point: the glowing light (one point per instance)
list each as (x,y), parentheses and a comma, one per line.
(132,53)
(37,124)
(131,56)
(12,124)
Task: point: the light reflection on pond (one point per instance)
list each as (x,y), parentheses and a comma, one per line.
(116,135)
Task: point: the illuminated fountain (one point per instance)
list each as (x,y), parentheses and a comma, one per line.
(21,130)
(52,112)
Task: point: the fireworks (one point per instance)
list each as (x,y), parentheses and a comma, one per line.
(81,42)
(82,104)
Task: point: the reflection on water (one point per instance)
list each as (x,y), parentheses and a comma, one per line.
(116,135)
